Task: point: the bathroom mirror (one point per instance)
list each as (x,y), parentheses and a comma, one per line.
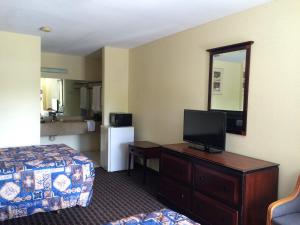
(229,82)
(70,97)
(51,92)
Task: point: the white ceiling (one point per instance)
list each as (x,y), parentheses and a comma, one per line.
(83,26)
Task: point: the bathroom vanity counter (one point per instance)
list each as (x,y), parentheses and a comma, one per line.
(66,127)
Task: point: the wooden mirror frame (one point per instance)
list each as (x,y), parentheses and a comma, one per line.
(225,49)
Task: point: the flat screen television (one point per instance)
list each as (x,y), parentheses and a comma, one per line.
(205,130)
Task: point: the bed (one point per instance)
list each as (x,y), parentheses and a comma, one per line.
(163,216)
(43,178)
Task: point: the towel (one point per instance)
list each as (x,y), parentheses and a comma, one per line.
(83,98)
(54,103)
(96,99)
(91,125)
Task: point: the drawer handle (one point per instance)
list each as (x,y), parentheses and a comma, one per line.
(181,196)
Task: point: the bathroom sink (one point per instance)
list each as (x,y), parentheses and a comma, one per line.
(72,121)
(64,119)
(67,121)
(63,127)
(66,126)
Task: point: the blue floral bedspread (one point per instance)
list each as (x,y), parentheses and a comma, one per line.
(164,216)
(43,178)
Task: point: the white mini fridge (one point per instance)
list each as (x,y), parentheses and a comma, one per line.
(114,147)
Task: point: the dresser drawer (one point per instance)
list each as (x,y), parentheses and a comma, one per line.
(175,193)
(213,212)
(175,167)
(220,185)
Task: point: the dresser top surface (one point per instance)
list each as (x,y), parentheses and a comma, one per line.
(225,158)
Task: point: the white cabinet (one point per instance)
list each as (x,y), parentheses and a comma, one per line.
(114,147)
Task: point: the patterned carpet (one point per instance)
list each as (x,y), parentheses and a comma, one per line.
(115,196)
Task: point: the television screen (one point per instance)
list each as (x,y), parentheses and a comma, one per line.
(205,128)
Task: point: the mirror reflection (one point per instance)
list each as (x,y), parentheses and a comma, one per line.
(228,81)
(51,94)
(64,97)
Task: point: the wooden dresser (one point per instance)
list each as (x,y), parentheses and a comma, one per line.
(217,189)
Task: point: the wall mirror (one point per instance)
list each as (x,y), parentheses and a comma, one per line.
(228,84)
(70,98)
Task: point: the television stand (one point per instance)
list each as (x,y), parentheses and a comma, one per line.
(227,188)
(204,148)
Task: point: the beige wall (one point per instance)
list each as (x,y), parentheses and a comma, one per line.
(93,66)
(79,67)
(115,81)
(171,74)
(20,57)
(74,64)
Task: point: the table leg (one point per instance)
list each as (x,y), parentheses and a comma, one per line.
(129,164)
(145,170)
